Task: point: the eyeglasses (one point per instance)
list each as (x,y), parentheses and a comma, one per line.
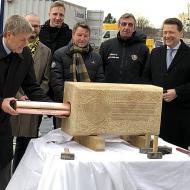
(126,24)
(36,26)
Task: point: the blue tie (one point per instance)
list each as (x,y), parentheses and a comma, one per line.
(169,57)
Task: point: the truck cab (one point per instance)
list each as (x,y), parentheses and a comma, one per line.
(107,34)
(109,31)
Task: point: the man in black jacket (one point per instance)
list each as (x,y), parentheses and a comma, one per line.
(16,69)
(173,74)
(75,62)
(55,33)
(124,57)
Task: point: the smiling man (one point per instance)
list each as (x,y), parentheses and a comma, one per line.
(25,127)
(75,62)
(16,69)
(124,57)
(55,33)
(169,67)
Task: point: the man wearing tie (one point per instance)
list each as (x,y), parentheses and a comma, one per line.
(169,67)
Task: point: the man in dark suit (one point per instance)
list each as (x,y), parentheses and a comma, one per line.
(25,126)
(16,70)
(169,67)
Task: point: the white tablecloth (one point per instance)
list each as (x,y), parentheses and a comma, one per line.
(119,167)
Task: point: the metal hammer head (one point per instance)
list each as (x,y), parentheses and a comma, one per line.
(67,155)
(154,155)
(165,149)
(145,150)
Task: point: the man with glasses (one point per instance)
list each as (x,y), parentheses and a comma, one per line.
(25,127)
(124,57)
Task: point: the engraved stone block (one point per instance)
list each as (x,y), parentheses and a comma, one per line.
(107,108)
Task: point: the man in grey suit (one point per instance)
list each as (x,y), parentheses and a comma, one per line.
(169,67)
(25,127)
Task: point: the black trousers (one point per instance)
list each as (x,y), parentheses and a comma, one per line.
(5,176)
(21,145)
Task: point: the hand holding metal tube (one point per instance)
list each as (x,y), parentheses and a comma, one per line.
(6,106)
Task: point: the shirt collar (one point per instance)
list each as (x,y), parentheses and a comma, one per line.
(176,47)
(8,51)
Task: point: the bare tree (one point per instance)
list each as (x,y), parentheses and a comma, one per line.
(185,18)
(142,22)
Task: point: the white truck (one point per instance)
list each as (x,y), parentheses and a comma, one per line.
(73,14)
(109,31)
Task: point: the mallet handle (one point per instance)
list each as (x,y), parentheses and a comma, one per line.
(155,143)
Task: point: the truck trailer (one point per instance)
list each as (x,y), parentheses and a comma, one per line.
(73,13)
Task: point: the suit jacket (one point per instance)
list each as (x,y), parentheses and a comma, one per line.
(175,114)
(27,125)
(20,73)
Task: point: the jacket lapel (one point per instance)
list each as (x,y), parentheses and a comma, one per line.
(3,53)
(12,77)
(38,54)
(163,58)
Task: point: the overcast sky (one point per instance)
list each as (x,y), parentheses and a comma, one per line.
(153,10)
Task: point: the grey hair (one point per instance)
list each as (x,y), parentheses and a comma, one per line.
(17,24)
(127,15)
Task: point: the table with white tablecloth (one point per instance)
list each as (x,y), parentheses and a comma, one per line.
(119,167)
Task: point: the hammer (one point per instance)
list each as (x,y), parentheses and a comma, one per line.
(147,148)
(67,155)
(155,154)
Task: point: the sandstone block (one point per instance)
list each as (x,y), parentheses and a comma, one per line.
(107,108)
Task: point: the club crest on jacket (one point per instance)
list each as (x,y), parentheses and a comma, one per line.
(134,57)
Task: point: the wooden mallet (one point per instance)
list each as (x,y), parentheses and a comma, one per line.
(66,155)
(155,154)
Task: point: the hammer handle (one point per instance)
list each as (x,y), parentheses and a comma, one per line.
(155,143)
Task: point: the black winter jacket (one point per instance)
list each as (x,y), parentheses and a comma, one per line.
(60,71)
(54,37)
(124,61)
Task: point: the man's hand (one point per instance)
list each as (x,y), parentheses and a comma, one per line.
(6,107)
(169,95)
(23,98)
